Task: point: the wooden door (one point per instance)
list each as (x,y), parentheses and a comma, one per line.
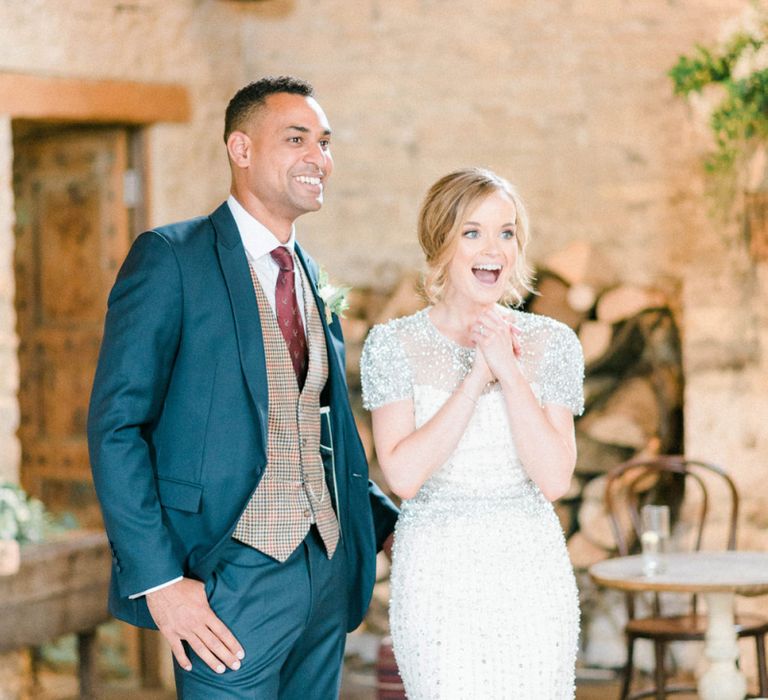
(72,232)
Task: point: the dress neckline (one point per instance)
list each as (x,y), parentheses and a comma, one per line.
(441,336)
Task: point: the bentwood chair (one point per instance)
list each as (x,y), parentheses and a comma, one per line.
(668,480)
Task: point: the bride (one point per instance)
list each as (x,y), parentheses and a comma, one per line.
(472,406)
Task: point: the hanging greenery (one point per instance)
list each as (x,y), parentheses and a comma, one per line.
(729,83)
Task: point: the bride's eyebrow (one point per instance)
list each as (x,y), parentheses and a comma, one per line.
(513,224)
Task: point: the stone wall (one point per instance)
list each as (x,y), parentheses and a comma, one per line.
(567,98)
(193,43)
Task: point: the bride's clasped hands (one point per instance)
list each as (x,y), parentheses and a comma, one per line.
(497,338)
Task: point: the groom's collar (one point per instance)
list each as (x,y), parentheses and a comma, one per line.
(257,239)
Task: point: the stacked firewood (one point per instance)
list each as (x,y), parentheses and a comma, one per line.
(633,381)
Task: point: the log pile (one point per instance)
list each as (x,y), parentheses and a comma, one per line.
(633,380)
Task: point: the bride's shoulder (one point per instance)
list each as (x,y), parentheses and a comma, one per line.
(398,327)
(545,329)
(386,371)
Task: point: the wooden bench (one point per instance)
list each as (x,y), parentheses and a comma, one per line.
(60,588)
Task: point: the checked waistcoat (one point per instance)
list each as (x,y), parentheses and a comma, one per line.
(292,493)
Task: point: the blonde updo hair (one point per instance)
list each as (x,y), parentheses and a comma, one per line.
(444,209)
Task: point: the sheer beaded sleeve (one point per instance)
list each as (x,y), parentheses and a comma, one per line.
(384,369)
(562,370)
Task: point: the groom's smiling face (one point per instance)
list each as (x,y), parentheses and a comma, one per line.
(286,158)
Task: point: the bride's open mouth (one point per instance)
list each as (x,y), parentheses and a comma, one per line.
(487,274)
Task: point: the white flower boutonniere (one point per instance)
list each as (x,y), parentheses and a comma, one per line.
(334,297)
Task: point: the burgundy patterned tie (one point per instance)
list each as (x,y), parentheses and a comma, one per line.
(288,315)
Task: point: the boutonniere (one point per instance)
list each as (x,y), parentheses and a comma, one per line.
(334,297)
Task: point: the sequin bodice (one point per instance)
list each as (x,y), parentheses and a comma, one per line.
(484,604)
(410,358)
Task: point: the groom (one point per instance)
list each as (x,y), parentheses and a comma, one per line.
(231,477)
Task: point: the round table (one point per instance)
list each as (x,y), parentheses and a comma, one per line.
(719,577)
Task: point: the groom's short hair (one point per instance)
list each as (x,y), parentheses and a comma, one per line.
(253,96)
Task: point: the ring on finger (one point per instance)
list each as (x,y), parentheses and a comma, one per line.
(481,329)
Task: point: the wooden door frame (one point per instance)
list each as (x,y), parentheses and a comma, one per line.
(26,96)
(133,104)
(46,99)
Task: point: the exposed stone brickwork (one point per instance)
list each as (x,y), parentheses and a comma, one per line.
(567,98)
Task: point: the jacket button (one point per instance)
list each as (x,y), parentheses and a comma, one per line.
(303,442)
(306,513)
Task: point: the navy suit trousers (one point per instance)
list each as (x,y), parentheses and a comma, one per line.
(290,618)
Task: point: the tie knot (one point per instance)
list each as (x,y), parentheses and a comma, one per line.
(282,256)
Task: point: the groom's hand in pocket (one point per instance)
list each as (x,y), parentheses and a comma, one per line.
(182,614)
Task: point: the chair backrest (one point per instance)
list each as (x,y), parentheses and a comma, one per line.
(665,480)
(632,484)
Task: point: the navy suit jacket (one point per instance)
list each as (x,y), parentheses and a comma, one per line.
(177,426)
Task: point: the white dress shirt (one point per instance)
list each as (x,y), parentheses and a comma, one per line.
(258,242)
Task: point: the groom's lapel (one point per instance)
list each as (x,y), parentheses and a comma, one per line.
(234,265)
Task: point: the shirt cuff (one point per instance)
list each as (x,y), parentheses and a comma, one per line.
(155,588)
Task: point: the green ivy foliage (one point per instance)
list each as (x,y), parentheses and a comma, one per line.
(742,114)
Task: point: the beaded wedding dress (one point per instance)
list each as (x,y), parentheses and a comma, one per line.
(483,600)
